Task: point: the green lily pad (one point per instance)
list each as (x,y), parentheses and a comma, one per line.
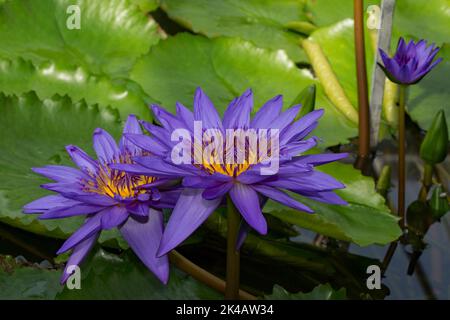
(268,23)
(34,134)
(19,76)
(27,282)
(321,292)
(337,44)
(39,51)
(225,68)
(328,12)
(104,276)
(428,20)
(412,19)
(112,34)
(112,277)
(365,220)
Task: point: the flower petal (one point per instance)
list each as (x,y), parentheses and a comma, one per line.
(138,209)
(296,129)
(186,115)
(105,146)
(247,202)
(70,211)
(205,111)
(61,173)
(113,217)
(237,115)
(144,237)
(267,113)
(217,191)
(326,197)
(282,197)
(47,203)
(189,213)
(82,159)
(146,143)
(89,228)
(78,254)
(132,126)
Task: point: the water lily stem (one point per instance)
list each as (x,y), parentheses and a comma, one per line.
(200,274)
(401,156)
(426,182)
(361,74)
(233,256)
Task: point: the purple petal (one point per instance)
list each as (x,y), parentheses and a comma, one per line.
(82,159)
(244,229)
(61,173)
(159,168)
(132,126)
(162,135)
(113,216)
(296,129)
(168,199)
(89,228)
(247,202)
(93,199)
(284,119)
(186,115)
(296,148)
(268,112)
(282,197)
(205,111)
(70,211)
(205,181)
(237,115)
(47,203)
(312,181)
(189,213)
(144,237)
(105,146)
(168,120)
(325,197)
(319,159)
(217,191)
(138,209)
(78,255)
(146,143)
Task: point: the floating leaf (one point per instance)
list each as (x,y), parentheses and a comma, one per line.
(225,68)
(34,134)
(112,34)
(113,277)
(268,24)
(365,220)
(40,52)
(27,282)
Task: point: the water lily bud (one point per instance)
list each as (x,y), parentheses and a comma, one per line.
(439,203)
(411,61)
(307,98)
(435,145)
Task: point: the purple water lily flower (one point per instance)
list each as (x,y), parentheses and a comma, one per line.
(109,198)
(207,183)
(411,61)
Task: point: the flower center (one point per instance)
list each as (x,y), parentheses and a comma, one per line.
(115,183)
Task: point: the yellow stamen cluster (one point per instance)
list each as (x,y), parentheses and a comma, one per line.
(111,182)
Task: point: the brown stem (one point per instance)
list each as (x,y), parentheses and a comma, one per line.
(202,275)
(388,257)
(401,156)
(361,75)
